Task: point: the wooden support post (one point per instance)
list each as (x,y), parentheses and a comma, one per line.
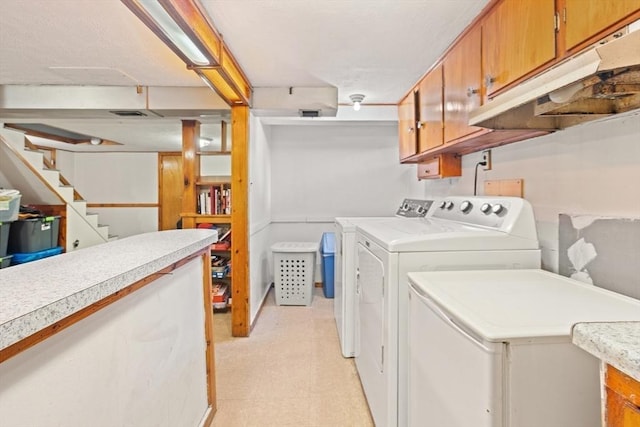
(191,170)
(240,221)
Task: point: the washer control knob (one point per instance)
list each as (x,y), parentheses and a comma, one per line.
(485,208)
(497,209)
(405,206)
(420,209)
(466,206)
(449,204)
(443,204)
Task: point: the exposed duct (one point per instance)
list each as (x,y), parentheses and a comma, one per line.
(295,101)
(107,102)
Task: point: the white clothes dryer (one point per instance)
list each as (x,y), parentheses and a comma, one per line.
(461,233)
(344,302)
(504,337)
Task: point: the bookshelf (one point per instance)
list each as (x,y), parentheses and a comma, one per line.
(237,219)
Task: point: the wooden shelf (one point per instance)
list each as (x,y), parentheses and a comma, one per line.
(213,180)
(212,219)
(213,153)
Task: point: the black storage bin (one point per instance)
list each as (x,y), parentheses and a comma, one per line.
(4,237)
(34,234)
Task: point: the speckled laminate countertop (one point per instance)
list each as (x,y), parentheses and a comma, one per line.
(616,343)
(37,294)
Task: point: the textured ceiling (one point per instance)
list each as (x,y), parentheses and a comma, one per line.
(379,48)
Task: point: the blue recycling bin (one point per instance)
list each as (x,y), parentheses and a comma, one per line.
(328,252)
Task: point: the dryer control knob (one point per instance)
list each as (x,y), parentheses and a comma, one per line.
(466,206)
(442,204)
(449,205)
(404,207)
(496,209)
(420,209)
(485,208)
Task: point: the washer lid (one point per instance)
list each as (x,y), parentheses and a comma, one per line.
(427,235)
(511,304)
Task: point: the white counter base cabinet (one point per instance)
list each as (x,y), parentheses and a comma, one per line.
(140,361)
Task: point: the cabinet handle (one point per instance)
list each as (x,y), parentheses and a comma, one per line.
(489,80)
(419,125)
(410,130)
(427,171)
(471,91)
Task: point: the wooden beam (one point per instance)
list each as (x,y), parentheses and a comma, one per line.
(240,321)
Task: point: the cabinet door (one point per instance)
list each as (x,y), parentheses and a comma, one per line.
(407,132)
(462,85)
(430,123)
(586,18)
(518,36)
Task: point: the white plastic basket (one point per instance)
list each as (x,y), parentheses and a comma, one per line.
(9,205)
(293,271)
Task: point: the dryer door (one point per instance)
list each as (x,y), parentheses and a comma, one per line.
(370,331)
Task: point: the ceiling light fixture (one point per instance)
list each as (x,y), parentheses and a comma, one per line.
(184,26)
(204,142)
(174,32)
(357,99)
(95,140)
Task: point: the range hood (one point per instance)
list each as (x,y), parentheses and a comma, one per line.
(600,82)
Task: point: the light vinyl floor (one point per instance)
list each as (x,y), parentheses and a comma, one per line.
(289,372)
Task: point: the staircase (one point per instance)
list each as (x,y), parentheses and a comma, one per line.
(83,228)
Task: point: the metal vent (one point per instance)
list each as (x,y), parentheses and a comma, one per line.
(128,113)
(309,113)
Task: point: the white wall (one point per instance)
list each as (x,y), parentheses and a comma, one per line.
(320,172)
(325,170)
(259,213)
(588,169)
(117,178)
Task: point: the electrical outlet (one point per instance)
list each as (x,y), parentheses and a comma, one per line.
(486,157)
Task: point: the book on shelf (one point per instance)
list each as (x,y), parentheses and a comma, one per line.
(214,200)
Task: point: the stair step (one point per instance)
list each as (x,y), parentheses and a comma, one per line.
(104,231)
(35,158)
(52,176)
(92,218)
(79,206)
(66,191)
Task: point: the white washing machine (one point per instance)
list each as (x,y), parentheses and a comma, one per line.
(345,268)
(461,233)
(504,338)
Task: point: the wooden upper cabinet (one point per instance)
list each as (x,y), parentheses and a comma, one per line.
(462,85)
(518,37)
(585,19)
(430,121)
(407,131)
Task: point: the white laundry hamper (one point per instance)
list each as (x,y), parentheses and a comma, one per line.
(293,272)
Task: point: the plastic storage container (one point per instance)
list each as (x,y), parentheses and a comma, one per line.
(293,268)
(9,205)
(328,252)
(33,235)
(34,256)
(4,237)
(5,261)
